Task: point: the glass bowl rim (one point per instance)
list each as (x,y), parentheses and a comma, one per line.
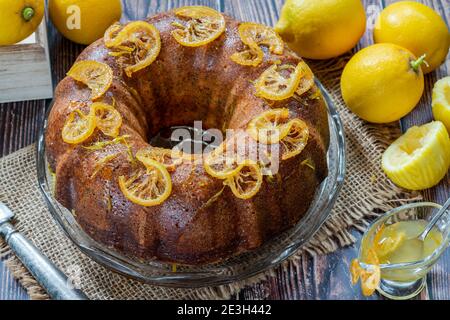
(407,265)
(116,262)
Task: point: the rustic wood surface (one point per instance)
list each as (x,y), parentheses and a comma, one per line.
(25,69)
(322,277)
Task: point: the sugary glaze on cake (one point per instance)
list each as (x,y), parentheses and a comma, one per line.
(184,84)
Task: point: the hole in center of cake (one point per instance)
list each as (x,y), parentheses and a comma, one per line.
(190,138)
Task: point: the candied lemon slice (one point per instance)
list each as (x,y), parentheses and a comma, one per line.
(441,101)
(306,79)
(247,181)
(255,35)
(355,270)
(137,45)
(96,75)
(169,158)
(279,82)
(147,187)
(78,127)
(370,280)
(261,35)
(270,126)
(202,25)
(108,119)
(295,140)
(110,36)
(221,163)
(387,245)
(420,158)
(252,56)
(370,276)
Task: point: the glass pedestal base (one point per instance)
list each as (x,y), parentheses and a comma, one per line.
(401,290)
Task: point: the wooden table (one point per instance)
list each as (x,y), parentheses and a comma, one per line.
(323,277)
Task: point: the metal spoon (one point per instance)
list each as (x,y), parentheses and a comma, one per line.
(44,271)
(421,237)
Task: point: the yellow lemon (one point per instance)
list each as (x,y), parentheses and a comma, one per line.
(321,29)
(19,19)
(382,83)
(420,158)
(417,28)
(441,101)
(84,21)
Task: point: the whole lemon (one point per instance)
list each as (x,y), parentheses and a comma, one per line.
(19,19)
(417,28)
(321,29)
(84,21)
(440,104)
(382,83)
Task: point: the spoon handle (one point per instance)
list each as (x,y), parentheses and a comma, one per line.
(435,219)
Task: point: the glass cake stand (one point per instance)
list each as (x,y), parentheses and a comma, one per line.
(233,269)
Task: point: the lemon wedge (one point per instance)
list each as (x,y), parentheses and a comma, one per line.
(441,101)
(420,158)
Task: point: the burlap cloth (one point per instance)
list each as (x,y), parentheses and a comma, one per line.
(366,193)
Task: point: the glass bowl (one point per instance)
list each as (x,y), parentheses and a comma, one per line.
(401,281)
(233,269)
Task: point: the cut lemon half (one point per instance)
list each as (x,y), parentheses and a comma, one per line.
(441,102)
(201,25)
(255,35)
(279,82)
(96,75)
(137,45)
(169,158)
(147,187)
(270,126)
(108,119)
(247,181)
(295,140)
(78,127)
(221,163)
(420,158)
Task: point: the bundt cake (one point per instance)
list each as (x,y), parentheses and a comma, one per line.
(175,68)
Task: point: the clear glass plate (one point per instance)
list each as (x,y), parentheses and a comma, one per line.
(233,269)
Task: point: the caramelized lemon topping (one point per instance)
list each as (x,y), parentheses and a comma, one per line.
(198,26)
(221,163)
(78,127)
(296,139)
(280,82)
(102,144)
(108,119)
(96,75)
(254,35)
(147,187)
(169,158)
(270,126)
(247,181)
(137,45)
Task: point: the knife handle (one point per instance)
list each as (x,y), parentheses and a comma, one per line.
(43,270)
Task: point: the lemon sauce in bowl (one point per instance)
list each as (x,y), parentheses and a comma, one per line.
(399,243)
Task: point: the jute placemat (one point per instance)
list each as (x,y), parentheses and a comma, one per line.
(366,193)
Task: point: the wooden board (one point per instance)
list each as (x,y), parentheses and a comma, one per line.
(25,69)
(321,277)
